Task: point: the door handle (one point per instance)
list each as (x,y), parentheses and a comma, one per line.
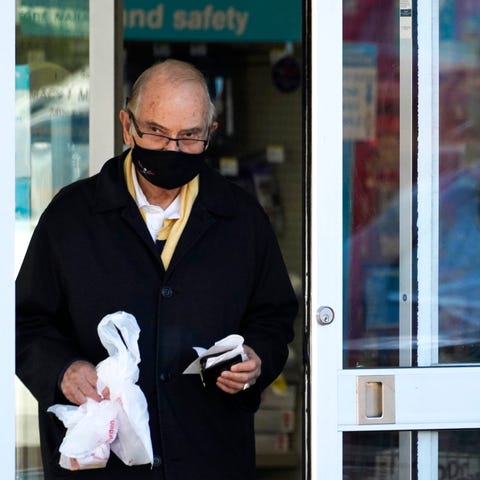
(375,399)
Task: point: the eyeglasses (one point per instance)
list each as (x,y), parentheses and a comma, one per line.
(158,141)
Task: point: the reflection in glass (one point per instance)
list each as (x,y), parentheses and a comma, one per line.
(52,87)
(371,185)
(374,201)
(459,169)
(370,456)
(375,456)
(459,456)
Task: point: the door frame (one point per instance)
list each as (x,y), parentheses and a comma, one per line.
(324,137)
(7,226)
(106,81)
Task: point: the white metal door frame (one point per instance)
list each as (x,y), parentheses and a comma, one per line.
(423,398)
(7,225)
(326,236)
(106,80)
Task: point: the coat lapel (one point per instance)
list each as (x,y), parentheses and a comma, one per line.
(134,219)
(199,222)
(112,194)
(214,200)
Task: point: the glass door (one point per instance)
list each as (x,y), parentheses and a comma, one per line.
(67,90)
(395,325)
(52,142)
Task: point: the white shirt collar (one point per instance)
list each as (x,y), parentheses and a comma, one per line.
(172,211)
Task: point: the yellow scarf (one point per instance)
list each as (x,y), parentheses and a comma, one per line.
(172,228)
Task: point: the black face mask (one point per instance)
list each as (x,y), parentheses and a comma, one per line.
(166,168)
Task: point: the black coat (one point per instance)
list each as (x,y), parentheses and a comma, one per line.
(91,254)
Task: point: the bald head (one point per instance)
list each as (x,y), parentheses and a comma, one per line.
(170,74)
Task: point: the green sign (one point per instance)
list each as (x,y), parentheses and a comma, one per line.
(172,20)
(214,20)
(51,18)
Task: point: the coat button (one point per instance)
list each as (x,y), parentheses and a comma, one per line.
(157,461)
(165,377)
(166,292)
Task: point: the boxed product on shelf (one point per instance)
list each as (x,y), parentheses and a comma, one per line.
(272,443)
(279,398)
(275,420)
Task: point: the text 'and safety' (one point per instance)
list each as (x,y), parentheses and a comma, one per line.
(207,19)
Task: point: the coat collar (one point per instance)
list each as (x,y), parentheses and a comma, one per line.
(215,193)
(215,199)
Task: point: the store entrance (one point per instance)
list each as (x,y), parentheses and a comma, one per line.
(257,89)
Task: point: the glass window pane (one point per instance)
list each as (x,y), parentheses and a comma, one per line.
(375,197)
(370,455)
(459,169)
(52,87)
(459,456)
(371,182)
(379,455)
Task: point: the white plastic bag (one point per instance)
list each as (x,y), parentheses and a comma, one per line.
(91,428)
(120,423)
(119,372)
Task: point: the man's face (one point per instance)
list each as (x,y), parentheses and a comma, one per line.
(174,111)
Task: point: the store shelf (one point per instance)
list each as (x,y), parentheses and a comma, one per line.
(279,460)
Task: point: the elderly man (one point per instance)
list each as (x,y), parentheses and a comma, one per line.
(159,234)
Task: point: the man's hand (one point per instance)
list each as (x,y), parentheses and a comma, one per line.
(241,375)
(80,381)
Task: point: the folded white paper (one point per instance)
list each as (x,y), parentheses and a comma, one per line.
(224,349)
